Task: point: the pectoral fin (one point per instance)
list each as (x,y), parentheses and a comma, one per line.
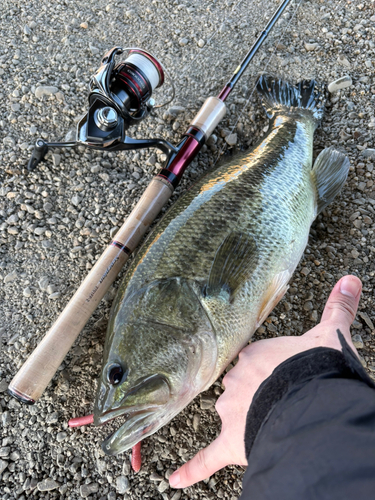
(329,173)
(235,261)
(274,294)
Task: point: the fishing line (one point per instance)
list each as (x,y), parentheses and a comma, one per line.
(267,64)
(254,87)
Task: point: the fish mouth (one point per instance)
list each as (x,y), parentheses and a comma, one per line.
(143,404)
(139,425)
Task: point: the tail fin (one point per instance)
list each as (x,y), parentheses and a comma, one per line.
(278,95)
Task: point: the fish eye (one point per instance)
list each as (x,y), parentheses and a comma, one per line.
(115,373)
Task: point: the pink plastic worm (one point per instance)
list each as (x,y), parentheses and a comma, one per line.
(136,460)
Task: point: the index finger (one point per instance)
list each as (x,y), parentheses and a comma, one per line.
(205,463)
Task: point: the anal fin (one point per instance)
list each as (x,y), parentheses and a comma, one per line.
(329,172)
(274,294)
(234,262)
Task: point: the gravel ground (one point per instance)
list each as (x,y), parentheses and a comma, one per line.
(55,222)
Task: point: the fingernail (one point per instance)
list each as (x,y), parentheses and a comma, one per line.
(350,287)
(174,479)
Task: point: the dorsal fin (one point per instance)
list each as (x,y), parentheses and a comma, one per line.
(235,260)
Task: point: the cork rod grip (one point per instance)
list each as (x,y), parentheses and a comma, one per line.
(38,370)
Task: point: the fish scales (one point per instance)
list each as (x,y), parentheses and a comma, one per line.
(214,267)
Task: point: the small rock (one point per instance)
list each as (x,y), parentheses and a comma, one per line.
(122,484)
(15,455)
(56,159)
(27,292)
(341,83)
(52,418)
(366,319)
(207,402)
(156,477)
(343,60)
(9,142)
(26,30)
(183,42)
(231,139)
(3,465)
(88,489)
(311,46)
(4,451)
(43,90)
(177,495)
(196,421)
(201,43)
(3,385)
(10,277)
(76,200)
(211,140)
(60,436)
(54,295)
(43,283)
(357,341)
(113,231)
(163,486)
(47,485)
(368,153)
(40,230)
(84,25)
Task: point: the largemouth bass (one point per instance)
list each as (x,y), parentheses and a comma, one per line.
(214,268)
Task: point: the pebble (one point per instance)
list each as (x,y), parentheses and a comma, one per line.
(163,486)
(201,43)
(76,200)
(9,142)
(3,465)
(56,159)
(183,42)
(26,30)
(4,451)
(43,90)
(207,402)
(52,418)
(10,277)
(47,485)
(122,484)
(196,421)
(84,25)
(341,83)
(87,489)
(368,153)
(357,341)
(231,139)
(43,283)
(60,436)
(311,46)
(27,292)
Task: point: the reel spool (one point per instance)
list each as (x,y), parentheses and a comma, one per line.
(136,78)
(120,95)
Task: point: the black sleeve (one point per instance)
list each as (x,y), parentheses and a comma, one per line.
(310,430)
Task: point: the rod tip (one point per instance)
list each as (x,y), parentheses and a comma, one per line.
(21,397)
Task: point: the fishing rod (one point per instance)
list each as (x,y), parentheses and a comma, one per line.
(120,95)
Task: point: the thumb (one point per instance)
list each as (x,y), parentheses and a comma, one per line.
(342,304)
(205,463)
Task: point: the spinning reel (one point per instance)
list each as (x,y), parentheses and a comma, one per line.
(120,95)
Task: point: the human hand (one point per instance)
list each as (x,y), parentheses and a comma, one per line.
(256,363)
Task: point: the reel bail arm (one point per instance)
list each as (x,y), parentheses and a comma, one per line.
(119,96)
